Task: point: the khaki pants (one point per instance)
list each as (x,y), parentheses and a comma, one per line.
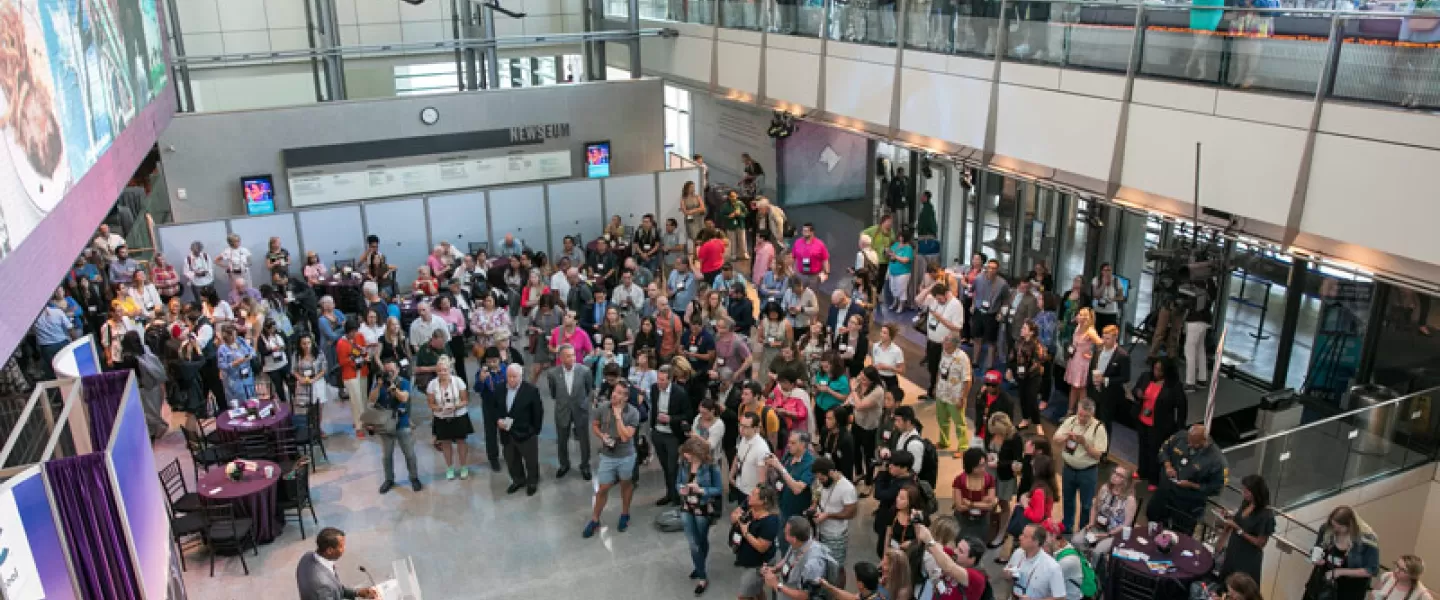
(356,388)
(738,249)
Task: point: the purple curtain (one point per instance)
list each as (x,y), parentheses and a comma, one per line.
(90,519)
(103,393)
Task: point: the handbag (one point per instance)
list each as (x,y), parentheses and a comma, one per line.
(1319,588)
(382,420)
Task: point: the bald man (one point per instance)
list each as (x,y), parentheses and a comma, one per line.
(521,417)
(1195,469)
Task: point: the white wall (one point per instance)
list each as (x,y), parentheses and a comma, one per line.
(236,26)
(1371,162)
(722,130)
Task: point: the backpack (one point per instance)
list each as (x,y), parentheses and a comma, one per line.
(930,461)
(1087,581)
(929,503)
(670,521)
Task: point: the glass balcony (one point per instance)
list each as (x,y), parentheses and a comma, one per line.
(1329,455)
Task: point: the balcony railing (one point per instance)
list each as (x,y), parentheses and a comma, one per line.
(1378,52)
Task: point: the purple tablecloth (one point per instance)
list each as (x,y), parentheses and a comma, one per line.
(1188,568)
(230,428)
(253,496)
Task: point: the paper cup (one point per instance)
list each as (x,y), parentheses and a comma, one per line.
(1125,533)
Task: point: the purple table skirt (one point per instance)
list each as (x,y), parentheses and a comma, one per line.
(254,496)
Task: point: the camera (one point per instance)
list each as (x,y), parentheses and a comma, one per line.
(811,513)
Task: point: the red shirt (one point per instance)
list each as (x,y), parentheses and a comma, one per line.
(973,495)
(348,354)
(712,255)
(1147,408)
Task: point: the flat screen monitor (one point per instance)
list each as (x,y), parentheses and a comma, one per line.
(597,159)
(259,193)
(1124,283)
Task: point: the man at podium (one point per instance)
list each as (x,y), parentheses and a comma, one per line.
(316,575)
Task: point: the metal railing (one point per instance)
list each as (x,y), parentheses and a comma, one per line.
(1376,54)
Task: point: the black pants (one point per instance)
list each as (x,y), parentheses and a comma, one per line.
(932,363)
(667,449)
(1030,387)
(210,379)
(280,383)
(523,458)
(865,448)
(490,414)
(1102,320)
(1150,441)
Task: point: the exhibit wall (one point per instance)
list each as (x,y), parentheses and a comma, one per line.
(398,147)
(142,500)
(83,96)
(32,557)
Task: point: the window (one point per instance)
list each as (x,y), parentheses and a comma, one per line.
(432,78)
(677,121)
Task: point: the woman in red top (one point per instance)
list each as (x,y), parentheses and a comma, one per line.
(1038,503)
(1160,410)
(425,283)
(975,497)
(711,253)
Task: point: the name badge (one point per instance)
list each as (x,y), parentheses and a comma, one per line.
(308,373)
(1102,520)
(1184,461)
(277,355)
(885,436)
(805,261)
(645,247)
(719,362)
(985,305)
(974,512)
(785,571)
(245,371)
(1020,370)
(844,348)
(1070,349)
(735,539)
(404,363)
(945,374)
(289,296)
(680,287)
(1070,445)
(779,486)
(694,348)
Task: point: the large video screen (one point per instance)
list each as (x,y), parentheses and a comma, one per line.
(73,75)
(821,164)
(142,501)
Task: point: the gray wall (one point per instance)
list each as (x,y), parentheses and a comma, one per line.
(206,154)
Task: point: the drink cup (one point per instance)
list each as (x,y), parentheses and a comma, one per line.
(269,472)
(1125,533)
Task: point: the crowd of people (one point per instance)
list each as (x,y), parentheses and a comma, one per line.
(706,348)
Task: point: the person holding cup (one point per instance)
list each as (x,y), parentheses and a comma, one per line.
(1079,352)
(975,495)
(1111,513)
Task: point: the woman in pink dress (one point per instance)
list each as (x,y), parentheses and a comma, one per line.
(1081,348)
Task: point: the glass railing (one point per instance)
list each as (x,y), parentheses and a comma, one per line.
(1325,456)
(743,14)
(864,22)
(1285,576)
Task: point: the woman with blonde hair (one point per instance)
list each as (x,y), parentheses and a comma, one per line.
(1004,452)
(1403,582)
(449,403)
(1079,352)
(895,575)
(1349,557)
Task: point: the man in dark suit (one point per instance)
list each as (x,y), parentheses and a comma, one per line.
(523,414)
(1109,374)
(316,576)
(840,310)
(594,314)
(580,297)
(670,416)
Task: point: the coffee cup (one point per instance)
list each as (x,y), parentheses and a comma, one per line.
(1125,533)
(269,472)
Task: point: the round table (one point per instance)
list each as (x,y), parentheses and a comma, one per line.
(345,291)
(1190,558)
(230,428)
(253,496)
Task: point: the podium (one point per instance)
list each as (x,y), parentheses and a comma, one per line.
(404,585)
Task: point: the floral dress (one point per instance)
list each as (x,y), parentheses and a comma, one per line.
(239,379)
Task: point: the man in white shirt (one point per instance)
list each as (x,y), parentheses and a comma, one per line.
(750,453)
(1036,574)
(946,317)
(235,260)
(951,392)
(198,269)
(106,242)
(836,504)
(629,298)
(455,255)
(560,281)
(426,325)
(907,437)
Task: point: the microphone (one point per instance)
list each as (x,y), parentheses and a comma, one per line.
(367,574)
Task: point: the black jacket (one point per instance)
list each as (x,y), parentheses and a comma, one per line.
(1003,403)
(887,488)
(831,325)
(1110,398)
(528,412)
(1171,407)
(840,447)
(681,412)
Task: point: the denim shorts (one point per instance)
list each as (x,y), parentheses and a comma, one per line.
(613,469)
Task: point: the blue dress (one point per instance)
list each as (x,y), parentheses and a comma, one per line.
(239,379)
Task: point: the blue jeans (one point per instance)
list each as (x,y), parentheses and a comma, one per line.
(1083,482)
(697,531)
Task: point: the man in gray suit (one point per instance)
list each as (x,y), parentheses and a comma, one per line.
(571,384)
(316,576)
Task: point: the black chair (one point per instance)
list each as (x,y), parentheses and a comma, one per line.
(203,455)
(288,452)
(1125,584)
(294,494)
(345,262)
(309,436)
(255,445)
(189,525)
(479,246)
(224,531)
(181,499)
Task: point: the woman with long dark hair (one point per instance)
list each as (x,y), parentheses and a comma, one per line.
(867,401)
(274,359)
(1025,367)
(1247,531)
(1160,410)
